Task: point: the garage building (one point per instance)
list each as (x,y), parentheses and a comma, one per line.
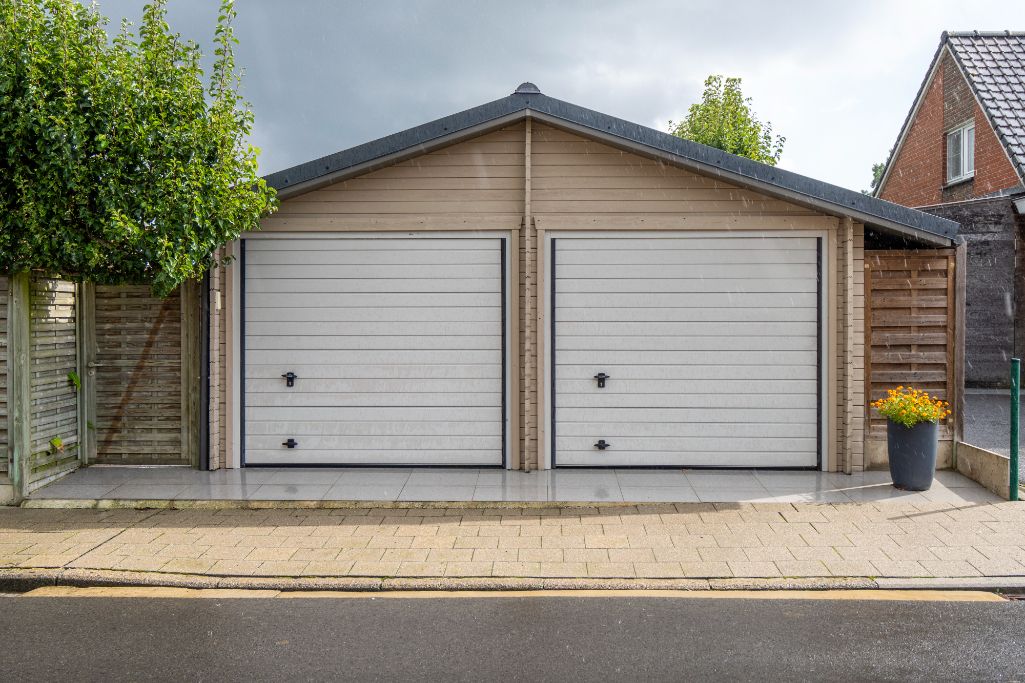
(531,284)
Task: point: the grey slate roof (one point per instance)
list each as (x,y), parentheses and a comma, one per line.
(994,65)
(529,101)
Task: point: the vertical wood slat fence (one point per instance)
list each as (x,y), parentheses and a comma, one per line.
(95,374)
(911,328)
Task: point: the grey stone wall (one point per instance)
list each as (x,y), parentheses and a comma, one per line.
(995,291)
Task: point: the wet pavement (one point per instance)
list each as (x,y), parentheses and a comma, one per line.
(987,421)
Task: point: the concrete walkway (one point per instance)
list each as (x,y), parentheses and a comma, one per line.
(494,485)
(683,540)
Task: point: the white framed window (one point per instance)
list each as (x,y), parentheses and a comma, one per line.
(961,153)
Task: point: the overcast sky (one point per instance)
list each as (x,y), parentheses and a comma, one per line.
(836,78)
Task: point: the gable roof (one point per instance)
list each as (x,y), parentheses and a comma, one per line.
(528,101)
(993,65)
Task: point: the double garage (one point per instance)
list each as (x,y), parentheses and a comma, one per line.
(668,349)
(530,284)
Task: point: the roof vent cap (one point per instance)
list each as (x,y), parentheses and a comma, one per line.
(527,88)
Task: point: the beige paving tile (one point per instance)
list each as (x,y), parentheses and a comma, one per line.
(519,541)
(405,555)
(611,570)
(422,568)
(586,555)
(563,569)
(390,542)
(281,568)
(234,567)
(658,569)
(701,570)
(468,569)
(315,554)
(476,542)
(433,542)
(603,541)
(544,555)
(495,555)
(851,568)
(271,554)
(362,568)
(631,555)
(141,564)
(328,568)
(900,568)
(563,542)
(188,565)
(516,569)
(802,568)
(450,554)
(748,569)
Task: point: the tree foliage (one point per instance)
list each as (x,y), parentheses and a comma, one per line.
(119,161)
(724,119)
(877,175)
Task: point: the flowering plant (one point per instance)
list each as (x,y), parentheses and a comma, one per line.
(908,407)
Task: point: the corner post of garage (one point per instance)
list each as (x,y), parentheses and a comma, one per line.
(530,384)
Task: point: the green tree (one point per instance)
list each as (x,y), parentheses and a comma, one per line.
(724,119)
(119,161)
(877,175)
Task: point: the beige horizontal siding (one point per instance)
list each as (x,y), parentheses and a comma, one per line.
(472,179)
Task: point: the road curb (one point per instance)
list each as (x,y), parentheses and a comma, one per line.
(24,580)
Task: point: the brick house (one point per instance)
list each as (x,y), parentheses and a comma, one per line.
(961,155)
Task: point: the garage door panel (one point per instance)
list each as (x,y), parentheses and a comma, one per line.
(379,256)
(671,416)
(719,459)
(711,346)
(294,277)
(286,359)
(372,286)
(386,328)
(690,256)
(363,428)
(587,386)
(311,374)
(398,352)
(350,244)
(691,372)
(668,315)
(409,342)
(378,442)
(298,415)
(745,340)
(325,388)
(685,243)
(691,444)
(657,298)
(615,430)
(737,402)
(375,399)
(371,300)
(702,358)
(369,314)
(375,458)
(707,271)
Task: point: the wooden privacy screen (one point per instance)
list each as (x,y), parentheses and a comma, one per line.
(910,327)
(142,386)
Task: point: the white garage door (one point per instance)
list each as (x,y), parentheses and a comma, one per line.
(396,344)
(710,345)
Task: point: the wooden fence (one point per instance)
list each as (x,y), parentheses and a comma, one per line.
(93,374)
(913,335)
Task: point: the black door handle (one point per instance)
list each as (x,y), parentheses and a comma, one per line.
(602,445)
(291,443)
(290,378)
(601,377)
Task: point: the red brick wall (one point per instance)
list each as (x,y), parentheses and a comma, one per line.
(918,175)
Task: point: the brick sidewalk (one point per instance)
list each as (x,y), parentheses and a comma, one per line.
(697,540)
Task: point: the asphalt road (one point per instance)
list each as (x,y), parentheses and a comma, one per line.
(509,639)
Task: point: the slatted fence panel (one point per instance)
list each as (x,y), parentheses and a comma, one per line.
(138,377)
(910,326)
(4,450)
(53,352)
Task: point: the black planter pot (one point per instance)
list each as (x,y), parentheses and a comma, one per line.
(912,454)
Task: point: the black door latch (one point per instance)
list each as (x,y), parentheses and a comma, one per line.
(602,445)
(291,443)
(601,377)
(290,379)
